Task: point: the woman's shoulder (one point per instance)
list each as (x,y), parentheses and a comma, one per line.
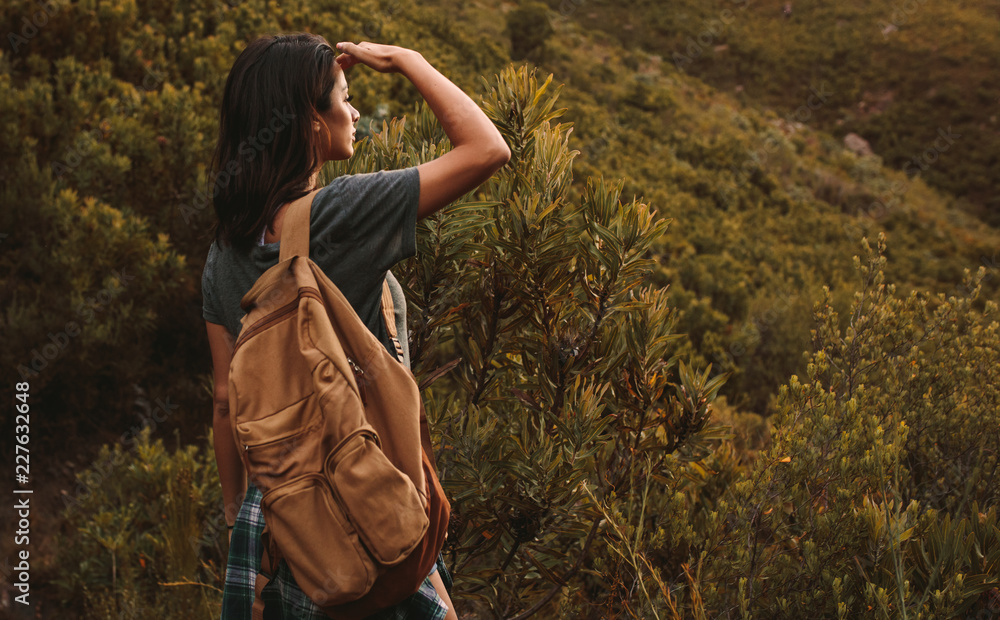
(359,185)
(225,263)
(359,200)
(211,259)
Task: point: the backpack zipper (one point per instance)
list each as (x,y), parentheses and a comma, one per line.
(359,378)
(277,315)
(263,324)
(280,314)
(287,438)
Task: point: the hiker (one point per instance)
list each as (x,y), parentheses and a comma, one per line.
(285,112)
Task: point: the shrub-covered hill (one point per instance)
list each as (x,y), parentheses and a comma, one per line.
(107,118)
(116,101)
(766,207)
(897,72)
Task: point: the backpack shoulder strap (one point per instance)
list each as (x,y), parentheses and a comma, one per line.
(389,315)
(295,228)
(295,242)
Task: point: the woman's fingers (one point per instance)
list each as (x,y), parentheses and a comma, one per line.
(346,61)
(374,55)
(353,53)
(347,58)
(346,47)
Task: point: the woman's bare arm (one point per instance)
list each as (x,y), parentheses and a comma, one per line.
(227,456)
(478,149)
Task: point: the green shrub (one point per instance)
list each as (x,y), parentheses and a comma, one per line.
(559,394)
(877,496)
(528,27)
(549,314)
(145,535)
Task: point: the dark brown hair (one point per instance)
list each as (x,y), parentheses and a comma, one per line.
(267,148)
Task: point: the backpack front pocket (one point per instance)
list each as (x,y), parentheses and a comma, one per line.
(380,501)
(317,541)
(285,458)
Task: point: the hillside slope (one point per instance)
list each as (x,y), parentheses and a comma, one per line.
(897,73)
(767,208)
(107,121)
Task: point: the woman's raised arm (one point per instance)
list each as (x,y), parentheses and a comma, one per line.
(478,149)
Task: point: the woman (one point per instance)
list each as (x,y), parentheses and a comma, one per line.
(285,112)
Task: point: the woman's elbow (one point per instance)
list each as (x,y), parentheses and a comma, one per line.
(498,154)
(503,154)
(220,412)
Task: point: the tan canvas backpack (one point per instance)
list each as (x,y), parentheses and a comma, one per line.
(331,430)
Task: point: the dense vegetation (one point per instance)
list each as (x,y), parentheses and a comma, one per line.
(765,211)
(603,435)
(902,74)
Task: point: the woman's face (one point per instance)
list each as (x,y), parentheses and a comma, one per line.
(340,119)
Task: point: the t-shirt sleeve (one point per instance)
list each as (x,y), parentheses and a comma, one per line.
(374,212)
(210,309)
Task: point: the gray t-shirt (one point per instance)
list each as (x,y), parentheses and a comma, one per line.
(360,226)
